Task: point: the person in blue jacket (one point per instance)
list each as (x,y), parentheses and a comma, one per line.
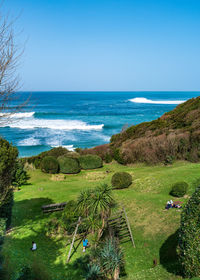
(85,243)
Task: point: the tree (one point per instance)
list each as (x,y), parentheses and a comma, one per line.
(188,237)
(8,156)
(101,203)
(9,79)
(84,202)
(20,176)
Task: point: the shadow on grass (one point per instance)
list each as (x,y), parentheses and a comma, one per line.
(168,255)
(28,223)
(29,210)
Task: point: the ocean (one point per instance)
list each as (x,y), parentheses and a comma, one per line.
(82,119)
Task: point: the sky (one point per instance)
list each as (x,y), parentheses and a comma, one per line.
(107,45)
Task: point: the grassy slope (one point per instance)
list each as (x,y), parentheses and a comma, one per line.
(144,202)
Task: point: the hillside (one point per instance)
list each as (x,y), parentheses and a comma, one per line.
(175,135)
(153,228)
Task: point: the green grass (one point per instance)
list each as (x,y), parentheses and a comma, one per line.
(153,228)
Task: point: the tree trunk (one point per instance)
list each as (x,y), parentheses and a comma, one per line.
(116,273)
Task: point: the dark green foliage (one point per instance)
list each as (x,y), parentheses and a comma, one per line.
(117,156)
(90,161)
(169,160)
(20,175)
(65,222)
(69,165)
(106,261)
(93,272)
(121,180)
(188,237)
(49,164)
(34,272)
(8,155)
(179,189)
(6,207)
(55,152)
(2,229)
(108,158)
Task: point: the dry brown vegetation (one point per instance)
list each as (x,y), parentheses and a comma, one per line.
(174,136)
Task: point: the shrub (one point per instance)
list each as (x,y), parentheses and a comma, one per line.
(49,164)
(20,175)
(2,229)
(121,180)
(90,161)
(179,189)
(8,155)
(68,165)
(118,157)
(65,223)
(188,237)
(108,158)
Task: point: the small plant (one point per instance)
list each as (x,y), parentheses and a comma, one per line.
(69,165)
(90,161)
(49,164)
(179,189)
(121,180)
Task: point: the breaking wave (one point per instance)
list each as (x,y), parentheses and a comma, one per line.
(17,115)
(149,101)
(32,123)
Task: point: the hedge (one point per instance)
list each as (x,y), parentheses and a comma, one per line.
(189,237)
(49,164)
(90,161)
(121,180)
(69,165)
(179,189)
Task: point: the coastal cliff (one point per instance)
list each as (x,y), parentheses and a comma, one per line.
(173,136)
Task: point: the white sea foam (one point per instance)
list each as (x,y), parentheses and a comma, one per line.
(17,115)
(31,123)
(68,147)
(149,101)
(31,141)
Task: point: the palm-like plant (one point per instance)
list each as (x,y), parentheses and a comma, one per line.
(101,201)
(84,201)
(93,272)
(111,258)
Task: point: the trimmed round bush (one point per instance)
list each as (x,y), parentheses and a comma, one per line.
(121,180)
(49,164)
(179,189)
(69,165)
(188,237)
(90,161)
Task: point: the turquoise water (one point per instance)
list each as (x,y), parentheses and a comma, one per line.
(83,119)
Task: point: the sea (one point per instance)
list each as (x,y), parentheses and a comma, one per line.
(82,119)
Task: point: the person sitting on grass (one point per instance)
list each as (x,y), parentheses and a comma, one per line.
(34,246)
(85,244)
(168,205)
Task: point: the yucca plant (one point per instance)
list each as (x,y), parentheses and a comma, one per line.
(111,258)
(93,272)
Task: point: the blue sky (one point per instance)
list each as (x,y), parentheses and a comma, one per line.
(108,44)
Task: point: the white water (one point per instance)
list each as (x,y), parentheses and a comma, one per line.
(31,123)
(17,115)
(149,101)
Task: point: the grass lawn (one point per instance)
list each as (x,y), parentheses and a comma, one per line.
(153,228)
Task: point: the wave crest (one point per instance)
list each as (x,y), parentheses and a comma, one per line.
(53,124)
(149,101)
(17,115)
